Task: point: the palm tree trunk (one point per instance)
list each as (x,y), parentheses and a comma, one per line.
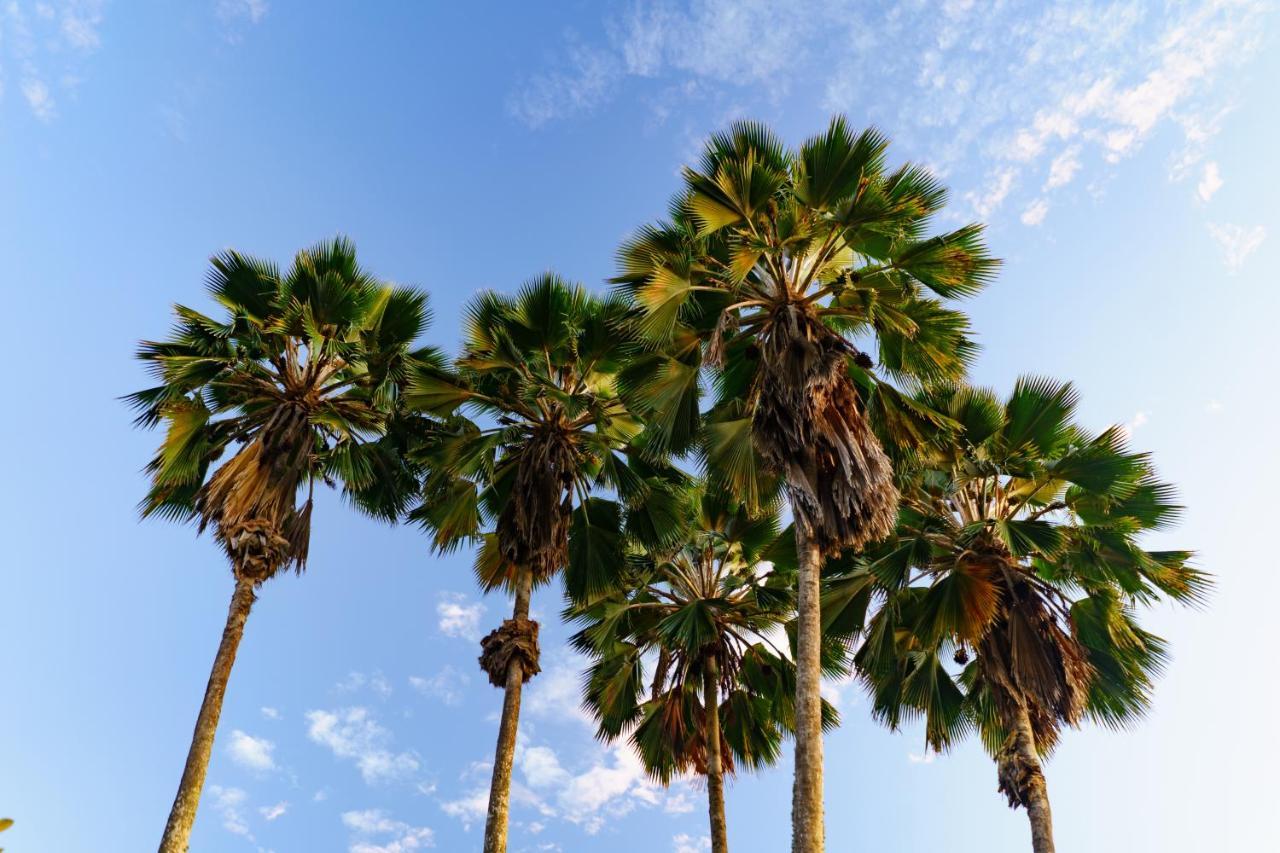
(715,768)
(177,832)
(806,796)
(495,825)
(1022,780)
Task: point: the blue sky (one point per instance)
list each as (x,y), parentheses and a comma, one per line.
(1123,154)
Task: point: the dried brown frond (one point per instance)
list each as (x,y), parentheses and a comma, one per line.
(809,426)
(1028,658)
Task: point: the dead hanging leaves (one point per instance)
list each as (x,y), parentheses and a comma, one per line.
(533,528)
(1028,660)
(809,425)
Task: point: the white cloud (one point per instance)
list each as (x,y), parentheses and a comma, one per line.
(270,813)
(926,757)
(1213,407)
(1035,212)
(457,616)
(229,803)
(354,734)
(1063,168)
(446,685)
(1210,181)
(470,808)
(255,753)
(270,713)
(684,843)
(1237,242)
(541,767)
(997,190)
(609,788)
(375,832)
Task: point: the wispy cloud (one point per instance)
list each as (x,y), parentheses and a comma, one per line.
(354,734)
(270,713)
(229,804)
(254,753)
(356,681)
(252,11)
(1031,95)
(1035,212)
(270,813)
(684,843)
(446,685)
(1237,242)
(43,45)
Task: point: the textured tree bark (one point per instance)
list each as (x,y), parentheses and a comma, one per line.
(1022,780)
(495,825)
(806,796)
(177,832)
(715,767)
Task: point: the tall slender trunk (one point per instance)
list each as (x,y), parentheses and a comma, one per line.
(1022,780)
(495,825)
(806,795)
(177,832)
(715,766)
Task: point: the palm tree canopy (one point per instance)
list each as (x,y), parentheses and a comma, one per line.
(538,376)
(300,377)
(773,262)
(715,600)
(1019,539)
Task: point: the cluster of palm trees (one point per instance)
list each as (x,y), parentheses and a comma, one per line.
(754,463)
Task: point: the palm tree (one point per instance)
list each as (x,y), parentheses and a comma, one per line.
(539,371)
(297,381)
(772,263)
(707,614)
(1018,550)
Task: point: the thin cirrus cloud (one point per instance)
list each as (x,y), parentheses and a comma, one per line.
(1237,242)
(43,47)
(1017,92)
(447,685)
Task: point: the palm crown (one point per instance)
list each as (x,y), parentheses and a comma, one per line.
(301,377)
(1019,541)
(712,607)
(772,263)
(539,371)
